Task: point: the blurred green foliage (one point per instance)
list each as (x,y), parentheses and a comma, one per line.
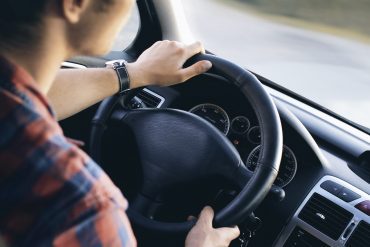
(348,14)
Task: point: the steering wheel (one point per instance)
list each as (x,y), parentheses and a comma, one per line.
(179,147)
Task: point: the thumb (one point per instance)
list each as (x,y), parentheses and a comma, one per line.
(229,233)
(206,216)
(195,69)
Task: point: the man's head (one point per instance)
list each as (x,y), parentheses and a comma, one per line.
(86,27)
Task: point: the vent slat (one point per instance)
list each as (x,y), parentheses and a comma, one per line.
(360,236)
(325,216)
(333,214)
(366,230)
(328,230)
(333,211)
(362,241)
(149,99)
(320,221)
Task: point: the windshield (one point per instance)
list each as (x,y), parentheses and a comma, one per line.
(318,49)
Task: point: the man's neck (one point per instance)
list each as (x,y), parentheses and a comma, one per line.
(41,61)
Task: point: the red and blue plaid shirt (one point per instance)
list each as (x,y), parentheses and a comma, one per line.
(51,192)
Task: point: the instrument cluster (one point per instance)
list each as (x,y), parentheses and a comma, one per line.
(246,137)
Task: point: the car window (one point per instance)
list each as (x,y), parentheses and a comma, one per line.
(318,49)
(128,33)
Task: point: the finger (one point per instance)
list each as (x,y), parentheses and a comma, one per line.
(229,233)
(191,217)
(195,48)
(156,44)
(206,216)
(196,69)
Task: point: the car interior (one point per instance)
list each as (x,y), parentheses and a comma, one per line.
(284,169)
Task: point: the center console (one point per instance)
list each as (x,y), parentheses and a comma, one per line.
(334,213)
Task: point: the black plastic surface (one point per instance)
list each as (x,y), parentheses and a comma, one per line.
(339,191)
(301,238)
(331,187)
(348,195)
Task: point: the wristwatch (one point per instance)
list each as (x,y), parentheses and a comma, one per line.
(123,77)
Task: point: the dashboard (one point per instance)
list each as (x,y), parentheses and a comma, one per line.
(311,210)
(327,192)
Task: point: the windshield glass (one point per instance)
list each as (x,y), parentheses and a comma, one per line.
(128,32)
(318,49)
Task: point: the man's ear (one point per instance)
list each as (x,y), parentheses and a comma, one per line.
(74,9)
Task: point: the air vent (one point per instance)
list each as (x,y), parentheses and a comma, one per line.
(150,99)
(325,216)
(360,236)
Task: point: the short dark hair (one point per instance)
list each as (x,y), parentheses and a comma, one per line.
(19,20)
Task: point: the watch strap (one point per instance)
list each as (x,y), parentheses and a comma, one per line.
(123,77)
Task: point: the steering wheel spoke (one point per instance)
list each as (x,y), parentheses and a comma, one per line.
(241,176)
(145,205)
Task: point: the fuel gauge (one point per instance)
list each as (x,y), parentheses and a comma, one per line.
(240,125)
(254,135)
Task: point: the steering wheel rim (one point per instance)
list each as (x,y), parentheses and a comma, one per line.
(260,182)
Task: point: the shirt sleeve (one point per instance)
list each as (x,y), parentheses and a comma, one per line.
(107,226)
(98,218)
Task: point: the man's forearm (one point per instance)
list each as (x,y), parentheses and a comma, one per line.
(76,89)
(161,65)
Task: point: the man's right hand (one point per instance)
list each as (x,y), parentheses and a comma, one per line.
(162,64)
(204,235)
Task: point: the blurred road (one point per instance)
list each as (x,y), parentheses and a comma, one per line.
(332,71)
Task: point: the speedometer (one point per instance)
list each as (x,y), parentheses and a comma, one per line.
(213,114)
(288,165)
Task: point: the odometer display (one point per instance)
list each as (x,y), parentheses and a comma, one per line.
(213,114)
(288,165)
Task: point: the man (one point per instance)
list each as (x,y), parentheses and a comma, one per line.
(51,193)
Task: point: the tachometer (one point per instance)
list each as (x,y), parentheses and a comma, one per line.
(288,165)
(213,114)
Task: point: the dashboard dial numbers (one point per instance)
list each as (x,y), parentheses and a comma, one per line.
(213,114)
(254,135)
(288,165)
(240,125)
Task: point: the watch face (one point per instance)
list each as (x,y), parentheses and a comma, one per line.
(113,63)
(116,65)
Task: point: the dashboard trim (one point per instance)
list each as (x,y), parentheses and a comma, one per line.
(307,113)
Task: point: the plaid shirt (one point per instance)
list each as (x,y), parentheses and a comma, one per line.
(51,192)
